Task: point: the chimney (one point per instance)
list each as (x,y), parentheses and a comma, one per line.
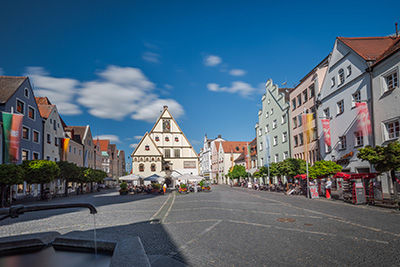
(165,107)
(219,136)
(397,31)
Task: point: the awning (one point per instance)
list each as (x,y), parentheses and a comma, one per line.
(344,175)
(131,177)
(154,178)
(348,175)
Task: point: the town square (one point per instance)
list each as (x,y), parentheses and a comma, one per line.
(199,133)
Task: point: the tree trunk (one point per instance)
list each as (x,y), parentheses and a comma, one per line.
(81,188)
(91,187)
(393,175)
(2,196)
(66,188)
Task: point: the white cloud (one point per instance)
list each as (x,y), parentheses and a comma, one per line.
(151,57)
(242,88)
(1,71)
(212,60)
(138,137)
(60,91)
(237,72)
(133,145)
(151,110)
(168,86)
(113,138)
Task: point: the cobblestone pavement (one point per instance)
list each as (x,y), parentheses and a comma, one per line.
(234,227)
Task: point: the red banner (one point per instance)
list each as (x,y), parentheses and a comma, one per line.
(364,121)
(15,137)
(327,131)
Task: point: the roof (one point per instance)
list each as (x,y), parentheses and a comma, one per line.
(234,146)
(8,86)
(103,144)
(388,52)
(369,48)
(45,110)
(286,92)
(42,100)
(79,132)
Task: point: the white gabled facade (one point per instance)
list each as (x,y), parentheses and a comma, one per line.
(147,158)
(177,153)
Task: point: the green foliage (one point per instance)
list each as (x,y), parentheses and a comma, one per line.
(123,186)
(256,174)
(156,186)
(11,174)
(291,167)
(384,158)
(100,175)
(183,186)
(89,175)
(201,183)
(68,171)
(322,168)
(40,171)
(237,172)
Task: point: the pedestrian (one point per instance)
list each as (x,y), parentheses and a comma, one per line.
(328,186)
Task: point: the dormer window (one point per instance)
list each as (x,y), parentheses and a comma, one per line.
(146,147)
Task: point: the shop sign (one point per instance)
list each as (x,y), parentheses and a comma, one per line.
(314,191)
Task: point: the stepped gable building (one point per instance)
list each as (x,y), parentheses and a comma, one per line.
(303,100)
(105,155)
(83,136)
(272,129)
(165,150)
(205,156)
(348,82)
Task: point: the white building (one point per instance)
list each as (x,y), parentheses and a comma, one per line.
(206,154)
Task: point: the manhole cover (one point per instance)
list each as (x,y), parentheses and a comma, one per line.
(286,220)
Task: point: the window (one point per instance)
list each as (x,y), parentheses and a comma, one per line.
(272,111)
(74,150)
(55,141)
(80,152)
(275,140)
(391,81)
(176,139)
(267,128)
(31,113)
(49,140)
(276,158)
(328,149)
(261,146)
(35,155)
(146,147)
(153,167)
(342,142)
(157,138)
(341,76)
(305,96)
(314,133)
(296,140)
(141,167)
(177,153)
(327,114)
(25,155)
(167,153)
(69,149)
(359,139)
(356,97)
(26,92)
(274,124)
(299,100)
(55,126)
(301,140)
(20,106)
(266,114)
(259,132)
(269,100)
(332,82)
(35,136)
(284,137)
(167,138)
(25,133)
(283,118)
(312,91)
(340,107)
(48,158)
(293,103)
(294,122)
(392,129)
(348,70)
(312,111)
(285,155)
(299,120)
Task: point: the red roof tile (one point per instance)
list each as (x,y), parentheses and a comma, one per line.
(390,51)
(369,48)
(103,144)
(45,110)
(42,100)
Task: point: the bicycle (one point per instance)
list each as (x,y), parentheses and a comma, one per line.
(44,195)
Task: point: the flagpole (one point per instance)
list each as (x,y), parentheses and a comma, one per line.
(306,150)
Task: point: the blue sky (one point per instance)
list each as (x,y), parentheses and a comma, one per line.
(114,64)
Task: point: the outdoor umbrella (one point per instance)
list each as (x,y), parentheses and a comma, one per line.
(130,177)
(153,178)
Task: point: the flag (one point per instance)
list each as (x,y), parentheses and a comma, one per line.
(307,119)
(363,121)
(248,157)
(65,143)
(232,162)
(7,120)
(327,131)
(15,137)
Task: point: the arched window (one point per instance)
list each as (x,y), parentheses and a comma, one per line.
(152,159)
(135,159)
(147,159)
(153,167)
(141,159)
(341,76)
(141,167)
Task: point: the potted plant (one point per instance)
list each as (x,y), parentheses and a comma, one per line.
(183,189)
(123,188)
(156,188)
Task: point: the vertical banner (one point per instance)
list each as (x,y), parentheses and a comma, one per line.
(364,121)
(7,120)
(15,137)
(232,162)
(65,143)
(266,153)
(248,163)
(307,118)
(85,162)
(327,131)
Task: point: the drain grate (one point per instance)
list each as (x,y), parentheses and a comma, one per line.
(286,220)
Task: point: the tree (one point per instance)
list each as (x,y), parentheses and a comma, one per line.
(384,159)
(273,170)
(68,172)
(237,172)
(291,167)
(40,171)
(323,167)
(10,174)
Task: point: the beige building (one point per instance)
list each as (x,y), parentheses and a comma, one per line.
(83,135)
(303,100)
(164,149)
